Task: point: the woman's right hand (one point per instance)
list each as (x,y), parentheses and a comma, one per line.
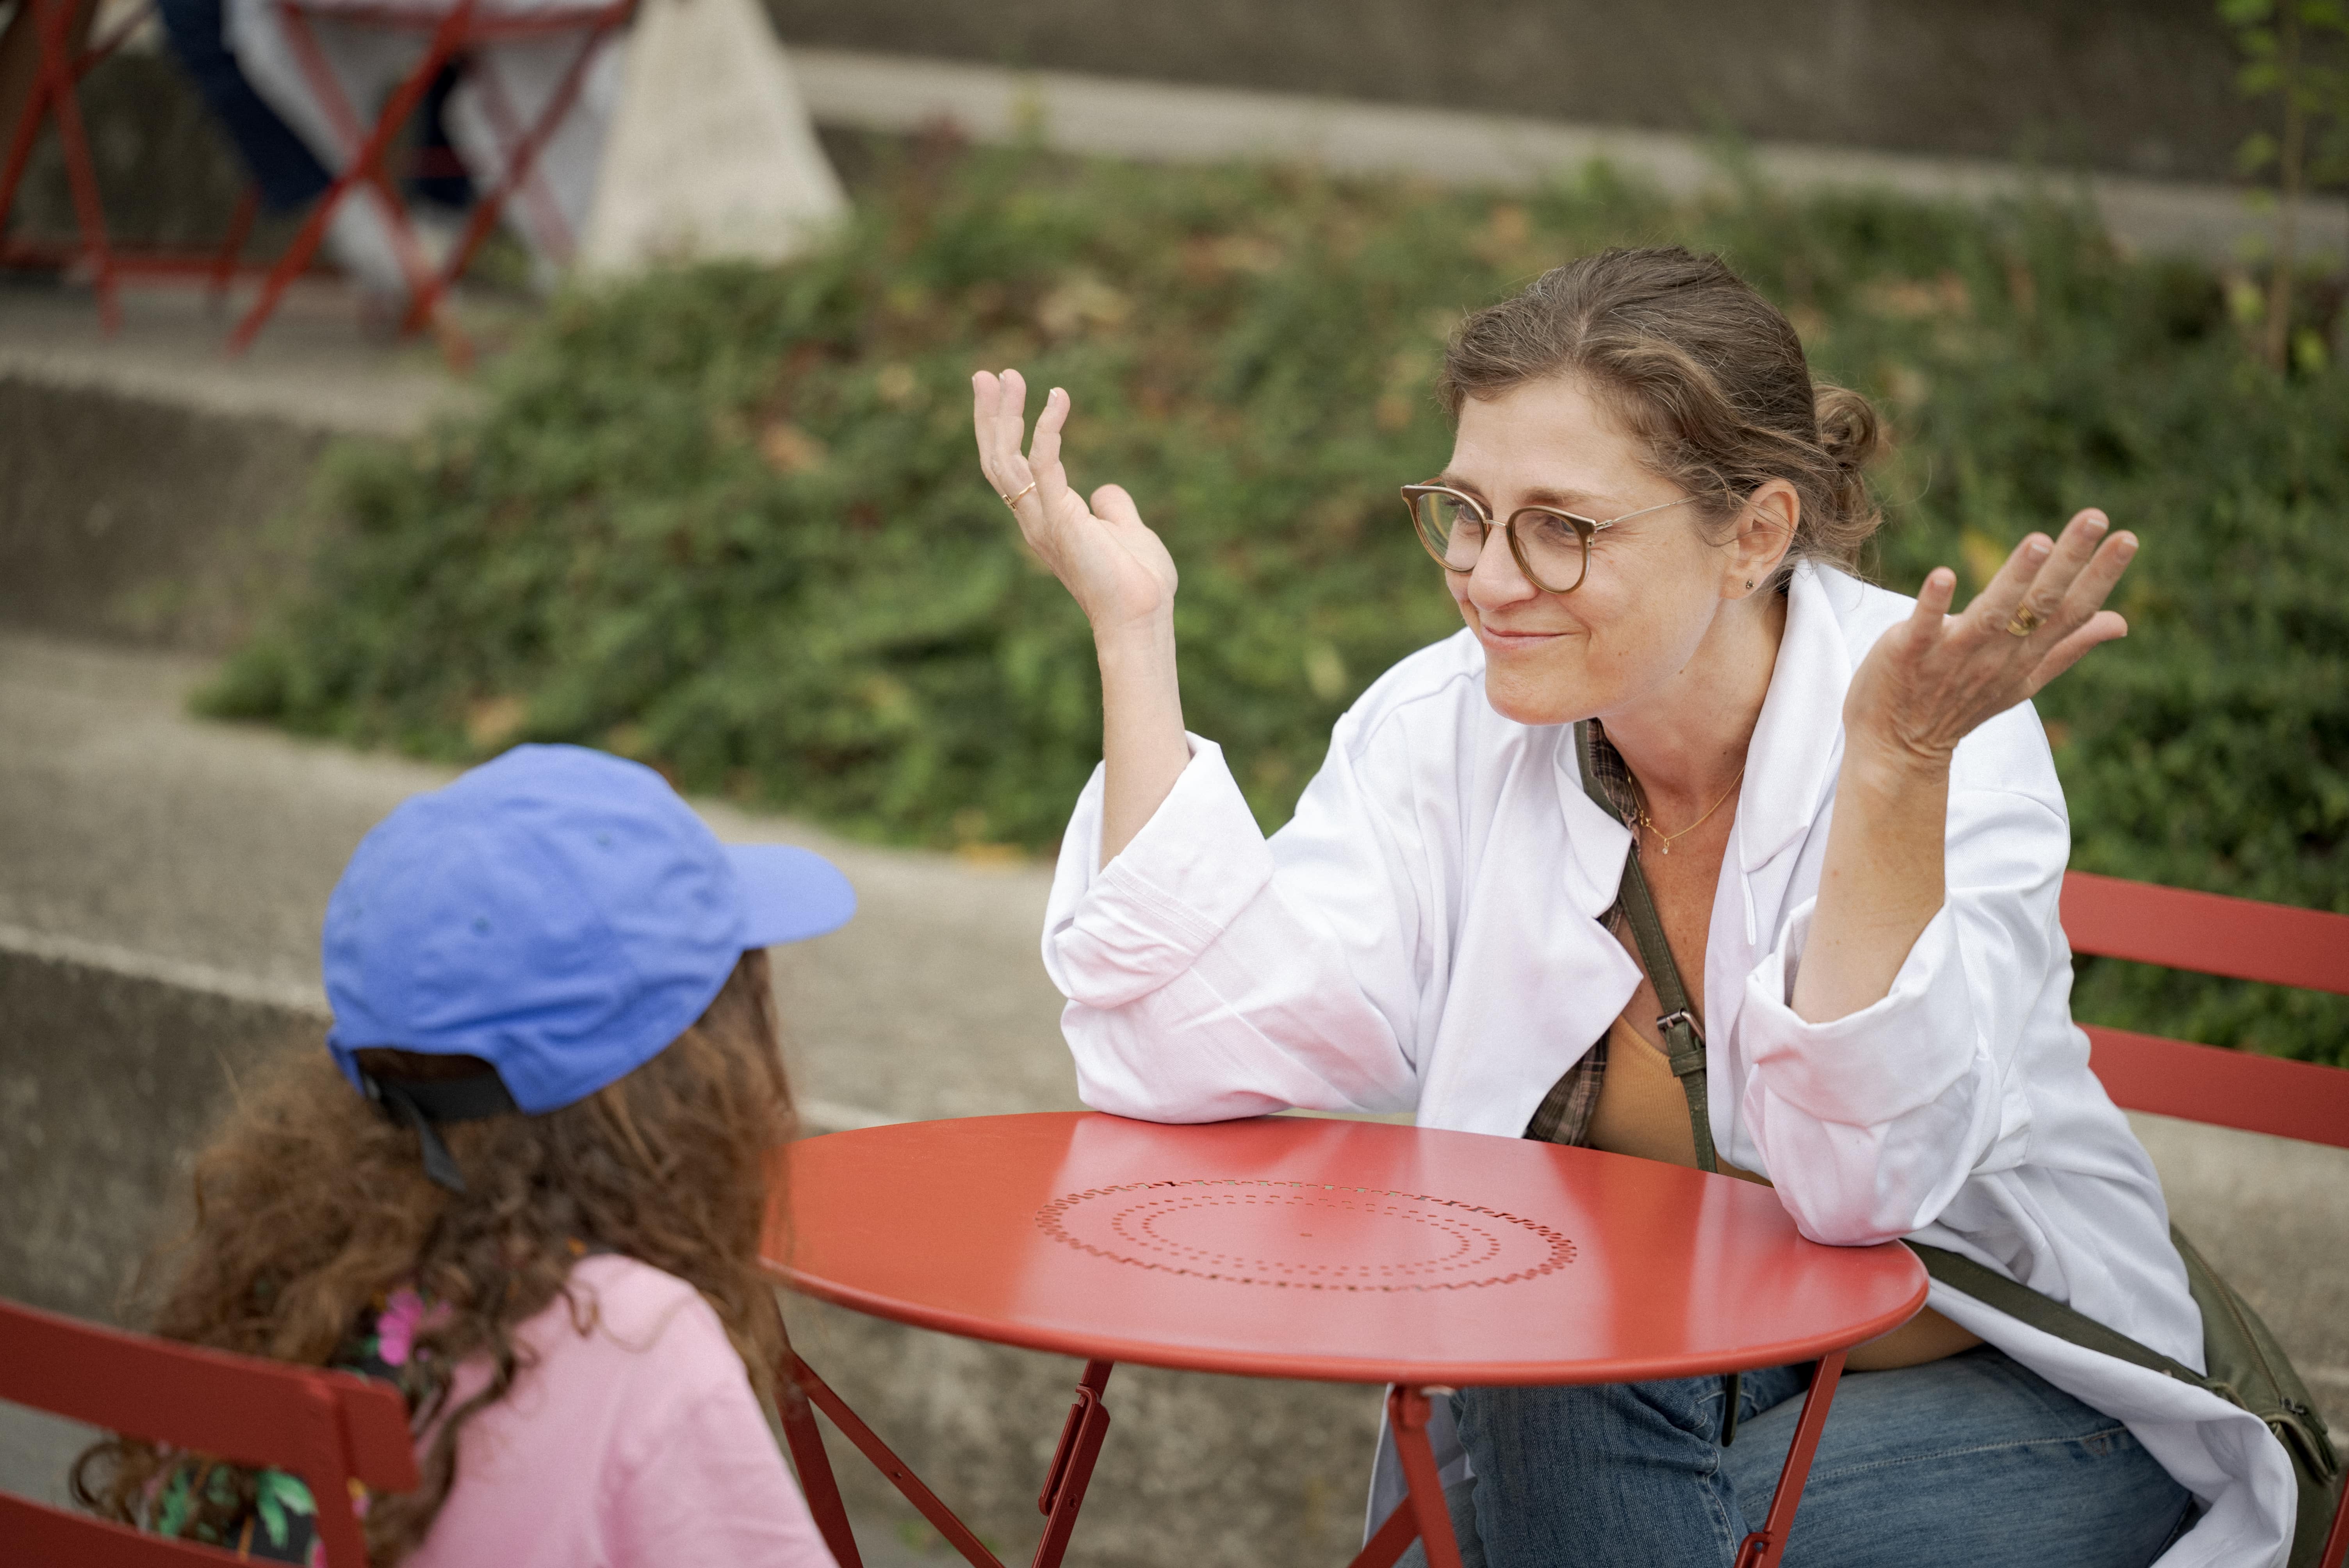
(1125,581)
(1105,555)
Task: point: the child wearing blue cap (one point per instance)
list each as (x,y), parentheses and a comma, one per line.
(525,1184)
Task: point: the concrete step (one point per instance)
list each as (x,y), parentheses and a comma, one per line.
(139,840)
(155,492)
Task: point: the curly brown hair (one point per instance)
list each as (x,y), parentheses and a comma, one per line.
(311,1205)
(1707,373)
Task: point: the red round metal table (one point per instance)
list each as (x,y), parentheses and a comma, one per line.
(1287,1247)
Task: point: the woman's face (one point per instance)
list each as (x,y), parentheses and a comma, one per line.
(1654,585)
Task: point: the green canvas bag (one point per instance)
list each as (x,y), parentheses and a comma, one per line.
(2247,1367)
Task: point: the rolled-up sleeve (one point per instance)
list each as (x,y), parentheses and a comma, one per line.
(1212,974)
(1871,1123)
(1115,935)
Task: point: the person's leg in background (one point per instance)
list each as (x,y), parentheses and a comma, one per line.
(1968,1460)
(285,172)
(439,181)
(366,63)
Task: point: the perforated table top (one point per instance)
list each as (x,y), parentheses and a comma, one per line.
(1287,1247)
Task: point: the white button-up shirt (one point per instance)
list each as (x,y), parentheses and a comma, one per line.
(1424,936)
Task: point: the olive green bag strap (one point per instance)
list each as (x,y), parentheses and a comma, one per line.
(2047,1314)
(1684,1042)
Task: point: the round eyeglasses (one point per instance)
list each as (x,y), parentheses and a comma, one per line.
(1552,547)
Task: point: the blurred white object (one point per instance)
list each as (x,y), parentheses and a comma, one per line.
(503,88)
(137,20)
(712,154)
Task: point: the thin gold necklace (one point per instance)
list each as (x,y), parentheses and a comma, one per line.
(1664,840)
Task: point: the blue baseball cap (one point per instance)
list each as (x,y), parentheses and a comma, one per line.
(558,912)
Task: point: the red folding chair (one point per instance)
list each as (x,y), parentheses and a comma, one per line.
(329,1428)
(2236,939)
(451,32)
(60,30)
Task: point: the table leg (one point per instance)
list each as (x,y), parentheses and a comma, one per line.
(807,1449)
(816,1479)
(1387,1544)
(1422,1515)
(1064,1483)
(1072,1464)
(1766,1545)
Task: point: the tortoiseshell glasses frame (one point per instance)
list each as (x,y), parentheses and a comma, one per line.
(1552,547)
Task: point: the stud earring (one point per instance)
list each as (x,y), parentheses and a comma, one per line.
(1749,583)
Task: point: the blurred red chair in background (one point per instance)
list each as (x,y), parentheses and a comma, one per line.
(61,55)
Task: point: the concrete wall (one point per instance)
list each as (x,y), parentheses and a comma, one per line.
(108,1081)
(2140,87)
(142,521)
(2143,88)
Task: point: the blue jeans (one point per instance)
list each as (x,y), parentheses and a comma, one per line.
(1971,1459)
(283,165)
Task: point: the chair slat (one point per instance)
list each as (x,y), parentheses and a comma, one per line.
(42,1537)
(240,1407)
(2237,938)
(2226,1089)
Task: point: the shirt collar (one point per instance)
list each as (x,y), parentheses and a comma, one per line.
(1798,739)
(1596,843)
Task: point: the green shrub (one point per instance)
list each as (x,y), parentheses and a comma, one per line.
(729,520)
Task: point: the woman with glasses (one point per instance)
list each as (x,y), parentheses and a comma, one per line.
(1846,821)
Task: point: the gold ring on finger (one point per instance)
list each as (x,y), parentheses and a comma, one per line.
(1013,500)
(2026,621)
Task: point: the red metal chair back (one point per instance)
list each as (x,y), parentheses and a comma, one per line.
(2236,939)
(329,1428)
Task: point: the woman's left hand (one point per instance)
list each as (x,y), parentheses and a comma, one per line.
(1930,681)
(1921,690)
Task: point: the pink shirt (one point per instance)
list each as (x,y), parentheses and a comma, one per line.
(638,1442)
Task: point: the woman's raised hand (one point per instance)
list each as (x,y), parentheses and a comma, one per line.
(1931,680)
(1103,553)
(1925,686)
